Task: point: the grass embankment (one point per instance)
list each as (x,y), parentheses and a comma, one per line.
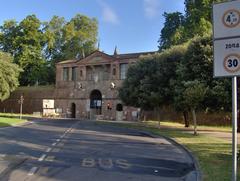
(212,153)
(10,121)
(15,115)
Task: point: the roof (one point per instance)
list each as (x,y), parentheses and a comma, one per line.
(67,61)
(133,55)
(107,56)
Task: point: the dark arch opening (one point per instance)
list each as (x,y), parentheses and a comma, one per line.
(114,71)
(73,110)
(119,107)
(96,101)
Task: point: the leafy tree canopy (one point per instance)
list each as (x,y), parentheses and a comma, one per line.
(148,83)
(36,46)
(9,73)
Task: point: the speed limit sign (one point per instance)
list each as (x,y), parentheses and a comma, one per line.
(231,18)
(226,26)
(226,36)
(231,63)
(226,19)
(227,57)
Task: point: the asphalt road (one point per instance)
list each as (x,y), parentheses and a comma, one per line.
(50,150)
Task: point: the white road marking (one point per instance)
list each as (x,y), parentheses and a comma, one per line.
(50,158)
(58,140)
(54,144)
(32,171)
(42,157)
(48,150)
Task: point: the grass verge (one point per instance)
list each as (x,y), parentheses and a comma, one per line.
(213,154)
(16,115)
(4,122)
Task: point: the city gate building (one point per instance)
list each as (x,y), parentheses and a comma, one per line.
(88,88)
(85,88)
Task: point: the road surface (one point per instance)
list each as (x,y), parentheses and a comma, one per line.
(74,150)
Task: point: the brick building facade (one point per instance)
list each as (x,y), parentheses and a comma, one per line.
(86,88)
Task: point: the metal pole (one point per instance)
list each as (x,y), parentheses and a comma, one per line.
(20,109)
(234,128)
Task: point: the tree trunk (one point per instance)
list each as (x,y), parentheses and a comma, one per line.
(186,120)
(144,116)
(194,121)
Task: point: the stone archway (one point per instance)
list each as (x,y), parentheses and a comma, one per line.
(73,110)
(95,103)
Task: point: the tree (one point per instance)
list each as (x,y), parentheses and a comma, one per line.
(80,37)
(149,82)
(193,96)
(168,33)
(37,46)
(197,66)
(137,89)
(53,31)
(180,28)
(9,73)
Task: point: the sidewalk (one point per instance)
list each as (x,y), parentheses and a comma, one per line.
(227,135)
(212,133)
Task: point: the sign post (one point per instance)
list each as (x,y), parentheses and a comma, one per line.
(226,37)
(20,101)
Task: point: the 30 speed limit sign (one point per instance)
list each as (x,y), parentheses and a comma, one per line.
(227,57)
(231,63)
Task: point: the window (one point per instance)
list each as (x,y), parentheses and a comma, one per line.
(74,72)
(65,73)
(81,73)
(123,70)
(114,71)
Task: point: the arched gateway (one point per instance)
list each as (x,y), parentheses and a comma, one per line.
(73,110)
(95,103)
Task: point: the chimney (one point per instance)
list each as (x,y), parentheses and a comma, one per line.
(115,51)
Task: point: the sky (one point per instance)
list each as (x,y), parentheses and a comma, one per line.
(131,25)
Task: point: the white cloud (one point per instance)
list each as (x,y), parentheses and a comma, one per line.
(108,14)
(151,8)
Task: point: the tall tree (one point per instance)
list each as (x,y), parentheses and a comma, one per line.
(149,82)
(172,22)
(197,66)
(9,73)
(29,56)
(53,31)
(80,35)
(37,46)
(180,28)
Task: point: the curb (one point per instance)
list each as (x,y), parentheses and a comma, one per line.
(190,175)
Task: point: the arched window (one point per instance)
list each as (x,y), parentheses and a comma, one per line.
(114,71)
